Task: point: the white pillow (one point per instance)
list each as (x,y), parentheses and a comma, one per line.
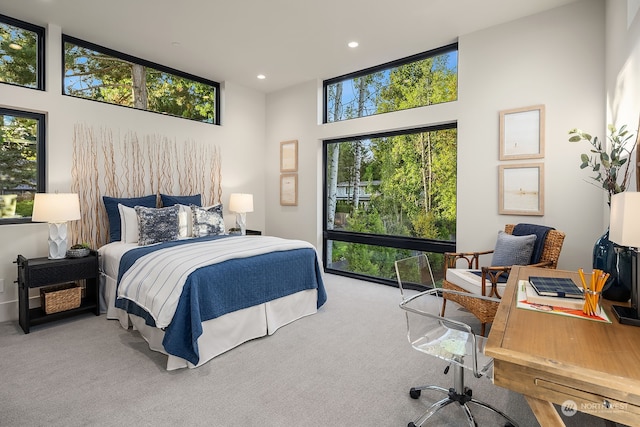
(128,224)
(185,222)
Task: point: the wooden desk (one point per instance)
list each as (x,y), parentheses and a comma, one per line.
(552,359)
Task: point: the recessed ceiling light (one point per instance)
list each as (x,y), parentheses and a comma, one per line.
(261,76)
(352,44)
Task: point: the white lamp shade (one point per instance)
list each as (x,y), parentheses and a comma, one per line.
(56,207)
(241,203)
(624,224)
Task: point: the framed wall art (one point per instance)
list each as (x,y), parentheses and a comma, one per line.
(521,189)
(289,156)
(289,189)
(522,133)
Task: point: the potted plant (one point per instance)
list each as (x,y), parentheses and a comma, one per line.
(235,231)
(611,166)
(78,250)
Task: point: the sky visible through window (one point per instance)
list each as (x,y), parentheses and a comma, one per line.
(354,104)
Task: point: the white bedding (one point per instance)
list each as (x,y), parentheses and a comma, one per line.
(220,334)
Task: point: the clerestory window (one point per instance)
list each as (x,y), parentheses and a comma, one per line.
(21,53)
(416,81)
(101,74)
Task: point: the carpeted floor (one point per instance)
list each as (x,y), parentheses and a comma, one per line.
(348,365)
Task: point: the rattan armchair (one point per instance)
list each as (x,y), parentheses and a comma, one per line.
(489,281)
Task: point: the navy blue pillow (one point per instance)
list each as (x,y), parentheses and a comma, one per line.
(180,200)
(113,214)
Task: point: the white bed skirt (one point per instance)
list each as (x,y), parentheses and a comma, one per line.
(223,333)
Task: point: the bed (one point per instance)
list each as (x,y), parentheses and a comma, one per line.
(235,288)
(145,200)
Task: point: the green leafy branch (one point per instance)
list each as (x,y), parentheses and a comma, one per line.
(611,169)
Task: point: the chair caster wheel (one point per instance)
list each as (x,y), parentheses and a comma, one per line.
(414,394)
(411,424)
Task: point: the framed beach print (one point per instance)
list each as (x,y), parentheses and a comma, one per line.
(289,156)
(521,189)
(522,133)
(289,189)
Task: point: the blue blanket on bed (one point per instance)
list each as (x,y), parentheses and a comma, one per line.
(218,289)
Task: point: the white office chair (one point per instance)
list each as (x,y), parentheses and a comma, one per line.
(445,338)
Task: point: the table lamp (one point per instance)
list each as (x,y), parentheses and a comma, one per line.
(56,209)
(624,229)
(241,203)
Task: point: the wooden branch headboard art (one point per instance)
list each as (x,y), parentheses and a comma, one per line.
(134,167)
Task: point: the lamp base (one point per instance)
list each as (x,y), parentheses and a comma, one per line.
(241,223)
(626,315)
(57,240)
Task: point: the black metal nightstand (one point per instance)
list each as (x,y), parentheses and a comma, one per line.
(39,272)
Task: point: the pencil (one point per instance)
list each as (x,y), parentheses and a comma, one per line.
(584,282)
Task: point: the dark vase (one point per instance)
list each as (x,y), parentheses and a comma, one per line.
(615,260)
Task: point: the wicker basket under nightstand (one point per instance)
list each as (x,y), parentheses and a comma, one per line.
(54,299)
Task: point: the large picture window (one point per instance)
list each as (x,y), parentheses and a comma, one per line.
(387,195)
(101,74)
(424,79)
(22,163)
(21,53)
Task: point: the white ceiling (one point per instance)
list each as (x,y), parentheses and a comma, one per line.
(289,41)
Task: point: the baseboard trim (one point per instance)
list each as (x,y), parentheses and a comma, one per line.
(9,311)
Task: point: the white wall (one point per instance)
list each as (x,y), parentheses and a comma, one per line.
(240,140)
(622,63)
(555,58)
(291,114)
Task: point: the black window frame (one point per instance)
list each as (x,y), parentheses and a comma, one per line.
(398,242)
(382,67)
(107,51)
(40,32)
(41,160)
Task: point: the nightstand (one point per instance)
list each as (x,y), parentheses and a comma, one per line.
(39,272)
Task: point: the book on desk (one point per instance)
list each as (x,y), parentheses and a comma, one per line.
(534,297)
(563,287)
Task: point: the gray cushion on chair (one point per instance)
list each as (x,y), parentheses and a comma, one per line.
(513,250)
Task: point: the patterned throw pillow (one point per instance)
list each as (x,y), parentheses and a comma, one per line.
(207,221)
(513,250)
(157,224)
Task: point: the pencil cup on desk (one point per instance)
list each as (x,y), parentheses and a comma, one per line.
(592,302)
(593,291)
